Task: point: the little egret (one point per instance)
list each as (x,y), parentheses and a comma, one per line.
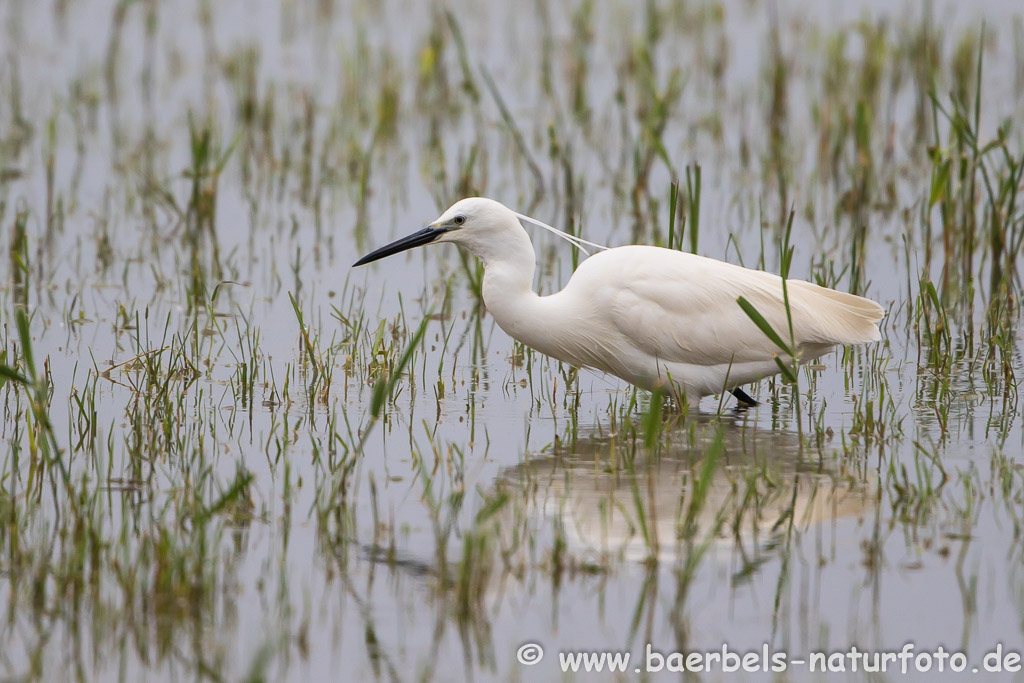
(658,318)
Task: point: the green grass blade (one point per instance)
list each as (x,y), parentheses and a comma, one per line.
(26,342)
(384,387)
(652,421)
(787,372)
(763,325)
(9,373)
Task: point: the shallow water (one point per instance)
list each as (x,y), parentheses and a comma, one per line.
(224,503)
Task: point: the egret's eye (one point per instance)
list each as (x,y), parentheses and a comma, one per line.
(459,220)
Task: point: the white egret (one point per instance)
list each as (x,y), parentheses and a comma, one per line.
(657,318)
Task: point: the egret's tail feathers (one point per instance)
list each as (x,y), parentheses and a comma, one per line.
(839,317)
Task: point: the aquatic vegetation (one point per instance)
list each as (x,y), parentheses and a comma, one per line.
(226,455)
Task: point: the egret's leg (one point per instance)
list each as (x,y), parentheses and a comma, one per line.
(679,397)
(744,398)
(693,403)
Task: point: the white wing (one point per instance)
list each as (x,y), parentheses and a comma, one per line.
(683,308)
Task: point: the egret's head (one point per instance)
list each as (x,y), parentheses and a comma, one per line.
(477,223)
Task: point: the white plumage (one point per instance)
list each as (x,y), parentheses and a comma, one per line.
(654,317)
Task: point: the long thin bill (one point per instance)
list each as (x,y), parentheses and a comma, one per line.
(417,239)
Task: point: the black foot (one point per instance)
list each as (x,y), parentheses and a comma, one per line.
(743,398)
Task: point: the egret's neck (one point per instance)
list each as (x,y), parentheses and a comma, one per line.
(540,322)
(509,266)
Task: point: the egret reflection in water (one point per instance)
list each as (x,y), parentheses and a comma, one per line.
(712,481)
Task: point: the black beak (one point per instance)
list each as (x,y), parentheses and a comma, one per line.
(417,239)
